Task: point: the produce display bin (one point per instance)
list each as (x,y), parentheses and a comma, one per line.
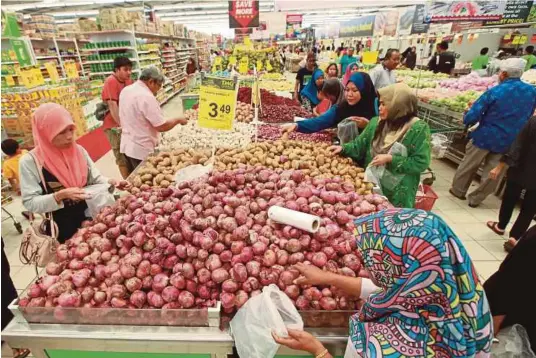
(326,319)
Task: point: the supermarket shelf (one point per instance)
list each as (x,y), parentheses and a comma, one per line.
(172,95)
(155,64)
(150,59)
(104,61)
(149,51)
(107,73)
(9,62)
(69,55)
(45,57)
(107,49)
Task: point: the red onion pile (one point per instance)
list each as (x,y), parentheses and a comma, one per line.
(270,132)
(281,114)
(267,97)
(208,240)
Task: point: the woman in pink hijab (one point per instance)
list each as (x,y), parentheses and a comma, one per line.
(351,69)
(53,175)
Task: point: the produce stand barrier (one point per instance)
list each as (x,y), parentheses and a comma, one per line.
(147,333)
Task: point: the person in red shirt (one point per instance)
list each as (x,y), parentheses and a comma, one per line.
(113,86)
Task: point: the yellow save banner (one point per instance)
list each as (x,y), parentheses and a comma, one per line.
(71,70)
(52,71)
(10,81)
(217,102)
(243,65)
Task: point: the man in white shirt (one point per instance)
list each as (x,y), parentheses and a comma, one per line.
(383,75)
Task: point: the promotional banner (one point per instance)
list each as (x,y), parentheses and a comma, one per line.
(362,26)
(10,27)
(294,26)
(243,14)
(243,31)
(20,47)
(419,26)
(515,12)
(460,26)
(405,20)
(464,11)
(386,23)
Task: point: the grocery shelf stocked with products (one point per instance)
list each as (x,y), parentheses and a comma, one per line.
(253,191)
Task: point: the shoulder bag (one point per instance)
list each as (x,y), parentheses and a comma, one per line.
(37,247)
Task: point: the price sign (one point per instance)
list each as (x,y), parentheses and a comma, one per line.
(217,102)
(29,77)
(268,66)
(523,39)
(516,39)
(70,70)
(370,57)
(259,65)
(10,81)
(247,41)
(52,71)
(38,75)
(232,60)
(243,65)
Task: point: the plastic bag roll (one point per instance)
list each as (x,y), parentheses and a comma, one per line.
(303,221)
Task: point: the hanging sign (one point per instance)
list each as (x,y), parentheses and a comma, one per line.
(232,60)
(52,71)
(440,11)
(259,65)
(418,26)
(20,47)
(70,70)
(243,65)
(515,12)
(370,57)
(363,26)
(217,102)
(294,26)
(30,78)
(269,65)
(243,13)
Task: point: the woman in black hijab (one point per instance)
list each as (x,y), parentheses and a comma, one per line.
(360,104)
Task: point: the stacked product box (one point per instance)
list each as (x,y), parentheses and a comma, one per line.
(42,26)
(86,25)
(17,109)
(121,19)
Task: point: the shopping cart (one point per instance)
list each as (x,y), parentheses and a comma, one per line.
(6,199)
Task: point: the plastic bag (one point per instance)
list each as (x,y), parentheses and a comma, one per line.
(439,144)
(192,172)
(347,131)
(253,324)
(513,343)
(381,176)
(100,197)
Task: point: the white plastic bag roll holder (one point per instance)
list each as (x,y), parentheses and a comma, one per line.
(303,221)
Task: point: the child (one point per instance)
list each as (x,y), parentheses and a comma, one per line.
(10,167)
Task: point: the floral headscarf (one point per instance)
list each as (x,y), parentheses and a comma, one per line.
(431,303)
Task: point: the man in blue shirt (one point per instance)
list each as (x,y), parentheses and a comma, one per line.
(497,116)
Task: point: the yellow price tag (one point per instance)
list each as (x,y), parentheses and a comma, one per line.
(232,60)
(247,41)
(516,39)
(217,102)
(70,70)
(10,81)
(259,65)
(218,60)
(28,78)
(52,71)
(523,39)
(370,57)
(38,75)
(268,66)
(243,65)
(507,37)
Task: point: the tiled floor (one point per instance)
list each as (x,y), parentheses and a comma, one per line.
(484,246)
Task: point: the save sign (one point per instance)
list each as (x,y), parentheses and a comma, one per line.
(243,13)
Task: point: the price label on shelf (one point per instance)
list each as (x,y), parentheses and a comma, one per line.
(259,65)
(31,77)
(243,65)
(10,81)
(71,70)
(232,60)
(217,103)
(52,71)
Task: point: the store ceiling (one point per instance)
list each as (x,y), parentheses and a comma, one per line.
(209,14)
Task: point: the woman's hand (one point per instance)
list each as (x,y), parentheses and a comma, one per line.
(381,159)
(301,341)
(311,275)
(74,194)
(335,149)
(287,129)
(361,122)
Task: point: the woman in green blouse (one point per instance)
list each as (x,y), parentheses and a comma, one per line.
(397,123)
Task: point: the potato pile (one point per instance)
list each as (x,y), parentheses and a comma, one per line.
(244,112)
(313,159)
(159,170)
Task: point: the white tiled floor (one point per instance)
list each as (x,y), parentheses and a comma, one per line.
(484,246)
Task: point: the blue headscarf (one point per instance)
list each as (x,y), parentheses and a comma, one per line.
(367,106)
(432,303)
(310,91)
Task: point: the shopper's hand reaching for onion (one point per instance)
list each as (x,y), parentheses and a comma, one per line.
(311,275)
(287,129)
